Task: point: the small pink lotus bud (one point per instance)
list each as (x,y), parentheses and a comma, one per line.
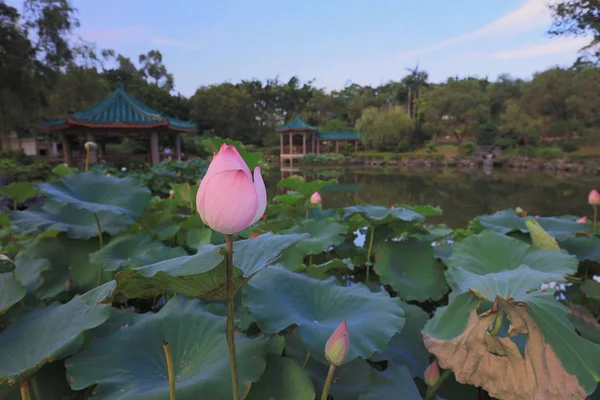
(432,374)
(582,220)
(338,345)
(520,212)
(230,198)
(90,146)
(315,198)
(537,216)
(594,198)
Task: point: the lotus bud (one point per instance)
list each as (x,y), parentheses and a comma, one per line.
(537,215)
(594,198)
(338,345)
(582,220)
(230,198)
(90,146)
(315,198)
(432,374)
(171,194)
(539,237)
(520,212)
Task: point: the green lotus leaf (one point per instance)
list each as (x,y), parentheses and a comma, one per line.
(95,192)
(584,248)
(200,357)
(19,191)
(323,235)
(379,215)
(195,238)
(585,323)
(406,348)
(47,334)
(279,298)
(411,269)
(11,291)
(321,271)
(424,210)
(49,380)
(289,198)
(70,264)
(298,184)
(491,252)
(282,379)
(185,193)
(540,356)
(7,265)
(29,271)
(77,223)
(203,274)
(63,170)
(591,289)
(389,384)
(508,221)
(133,250)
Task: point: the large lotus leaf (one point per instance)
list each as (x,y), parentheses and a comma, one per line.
(389,384)
(508,221)
(554,363)
(279,298)
(47,334)
(321,271)
(203,274)
(95,192)
(350,379)
(490,252)
(11,291)
(199,350)
(185,193)
(298,184)
(323,235)
(585,323)
(406,348)
(77,223)
(591,289)
(379,215)
(19,191)
(282,379)
(133,250)
(512,284)
(29,271)
(584,248)
(70,265)
(50,381)
(411,269)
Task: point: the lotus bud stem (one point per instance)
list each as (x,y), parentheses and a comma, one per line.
(170,369)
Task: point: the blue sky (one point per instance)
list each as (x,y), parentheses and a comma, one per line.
(333,41)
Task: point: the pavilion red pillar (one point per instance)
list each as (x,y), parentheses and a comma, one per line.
(291,143)
(66,149)
(154,154)
(178,146)
(313,148)
(337,146)
(318,147)
(281,148)
(356,146)
(303,143)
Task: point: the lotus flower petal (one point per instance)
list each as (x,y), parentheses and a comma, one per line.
(261,193)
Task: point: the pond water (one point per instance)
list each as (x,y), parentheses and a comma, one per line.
(462,195)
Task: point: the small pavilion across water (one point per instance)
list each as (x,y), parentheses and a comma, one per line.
(119,115)
(297,138)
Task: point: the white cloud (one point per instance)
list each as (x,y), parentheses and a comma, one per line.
(563,45)
(532,14)
(175,43)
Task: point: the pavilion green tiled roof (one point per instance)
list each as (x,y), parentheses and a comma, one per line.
(119,110)
(297,125)
(339,135)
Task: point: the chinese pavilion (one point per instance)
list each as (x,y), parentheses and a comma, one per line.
(118,115)
(311,140)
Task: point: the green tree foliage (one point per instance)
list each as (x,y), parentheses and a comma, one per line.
(385,127)
(577,18)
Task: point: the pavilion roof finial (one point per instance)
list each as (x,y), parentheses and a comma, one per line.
(119,82)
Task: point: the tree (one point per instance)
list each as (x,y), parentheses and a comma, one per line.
(384,128)
(500,92)
(153,68)
(519,123)
(577,18)
(456,107)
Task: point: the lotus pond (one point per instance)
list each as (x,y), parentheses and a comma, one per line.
(98,279)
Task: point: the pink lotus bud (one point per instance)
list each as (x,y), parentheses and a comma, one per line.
(338,345)
(90,146)
(594,198)
(537,216)
(582,220)
(315,198)
(432,374)
(229,198)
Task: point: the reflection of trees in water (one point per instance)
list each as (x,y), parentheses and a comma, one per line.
(462,196)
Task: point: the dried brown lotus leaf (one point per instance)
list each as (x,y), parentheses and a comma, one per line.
(497,365)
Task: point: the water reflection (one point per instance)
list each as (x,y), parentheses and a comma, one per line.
(461,194)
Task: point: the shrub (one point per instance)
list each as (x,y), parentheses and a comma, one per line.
(431,146)
(548,153)
(403,146)
(467,148)
(569,147)
(487,133)
(505,142)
